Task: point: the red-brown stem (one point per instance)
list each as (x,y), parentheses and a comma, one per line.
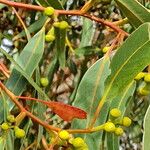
(5,71)
(13,98)
(22,109)
(65,12)
(21,5)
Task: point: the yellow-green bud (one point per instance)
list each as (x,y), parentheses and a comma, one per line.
(126,121)
(63,25)
(49,11)
(64,135)
(44,82)
(147,78)
(105,49)
(119,131)
(78,142)
(143,91)
(140,76)
(56,24)
(115,112)
(5,126)
(19,133)
(109,127)
(49,38)
(11,118)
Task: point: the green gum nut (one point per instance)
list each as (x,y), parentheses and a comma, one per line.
(63,25)
(49,38)
(44,82)
(19,133)
(5,126)
(147,77)
(109,127)
(119,131)
(56,24)
(115,112)
(11,118)
(139,76)
(126,121)
(78,142)
(49,11)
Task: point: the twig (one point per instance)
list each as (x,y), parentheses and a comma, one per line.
(22,109)
(66,12)
(25,28)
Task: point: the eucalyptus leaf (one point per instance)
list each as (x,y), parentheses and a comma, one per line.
(33,27)
(26,63)
(136,13)
(60,35)
(90,90)
(87,33)
(146,134)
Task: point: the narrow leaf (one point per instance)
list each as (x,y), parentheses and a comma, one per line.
(119,102)
(89,92)
(33,27)
(65,111)
(134,11)
(87,33)
(146,134)
(60,46)
(27,61)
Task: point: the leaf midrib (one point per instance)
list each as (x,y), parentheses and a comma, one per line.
(131,11)
(119,70)
(38,39)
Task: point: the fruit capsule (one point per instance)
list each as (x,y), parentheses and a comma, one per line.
(64,135)
(147,78)
(115,112)
(49,11)
(78,142)
(19,133)
(119,131)
(44,82)
(49,38)
(5,126)
(140,76)
(126,121)
(109,127)
(105,49)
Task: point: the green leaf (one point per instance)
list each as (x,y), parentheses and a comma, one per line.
(50,70)
(10,138)
(134,11)
(131,58)
(24,74)
(25,66)
(87,33)
(86,51)
(146,134)
(120,102)
(33,27)
(128,61)
(60,35)
(2,143)
(88,94)
(112,142)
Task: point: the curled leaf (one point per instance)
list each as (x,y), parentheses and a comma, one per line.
(65,111)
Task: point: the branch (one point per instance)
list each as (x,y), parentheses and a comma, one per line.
(22,109)
(66,12)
